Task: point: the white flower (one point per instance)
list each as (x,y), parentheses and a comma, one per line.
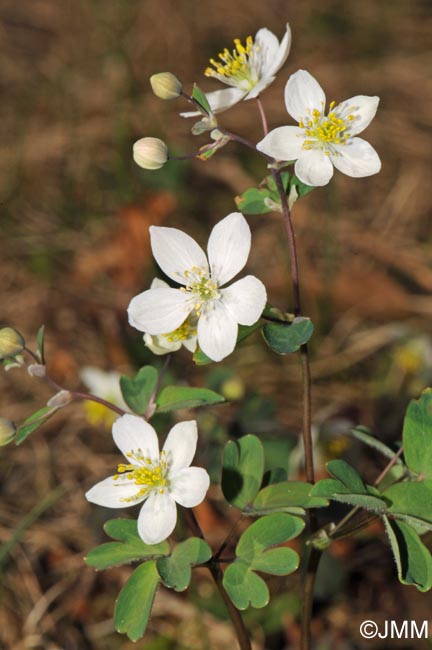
(150,153)
(185,335)
(248,69)
(219,310)
(106,385)
(321,141)
(161,479)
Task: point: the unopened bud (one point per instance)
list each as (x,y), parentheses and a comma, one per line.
(150,153)
(11,342)
(7,431)
(60,399)
(36,370)
(166,85)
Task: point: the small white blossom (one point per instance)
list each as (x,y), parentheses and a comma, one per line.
(105,384)
(160,479)
(321,141)
(219,310)
(248,69)
(185,335)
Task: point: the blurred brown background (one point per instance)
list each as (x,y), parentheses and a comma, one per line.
(74,250)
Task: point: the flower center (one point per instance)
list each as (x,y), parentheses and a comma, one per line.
(202,288)
(235,65)
(324,131)
(151,475)
(182,333)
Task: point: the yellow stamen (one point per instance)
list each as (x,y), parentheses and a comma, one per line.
(236,64)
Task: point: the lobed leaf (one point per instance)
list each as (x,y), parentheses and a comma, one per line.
(182,397)
(135,601)
(283,496)
(417,435)
(413,559)
(137,391)
(242,470)
(175,570)
(286,338)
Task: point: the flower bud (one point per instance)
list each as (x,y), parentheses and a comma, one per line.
(7,431)
(150,153)
(166,85)
(37,370)
(11,342)
(60,399)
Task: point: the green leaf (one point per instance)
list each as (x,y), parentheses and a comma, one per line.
(282,497)
(302,188)
(244,331)
(413,560)
(182,397)
(245,587)
(337,491)
(128,548)
(138,390)
(33,422)
(252,201)
(347,475)
(135,601)
(411,498)
(417,435)
(284,339)
(175,570)
(199,96)
(363,434)
(242,470)
(266,532)
(41,344)
(240,581)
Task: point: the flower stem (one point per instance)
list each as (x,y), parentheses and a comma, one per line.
(217,575)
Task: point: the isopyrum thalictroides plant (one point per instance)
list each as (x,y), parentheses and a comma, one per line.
(206,309)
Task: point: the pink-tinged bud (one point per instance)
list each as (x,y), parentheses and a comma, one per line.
(150,153)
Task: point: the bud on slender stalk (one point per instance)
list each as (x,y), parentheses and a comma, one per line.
(150,153)
(166,85)
(11,342)
(7,431)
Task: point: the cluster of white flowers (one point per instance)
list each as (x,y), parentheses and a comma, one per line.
(202,311)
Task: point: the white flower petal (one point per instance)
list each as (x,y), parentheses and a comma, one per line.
(157,518)
(159,344)
(217,332)
(157,283)
(261,85)
(283,143)
(362,107)
(228,247)
(220,100)
(190,344)
(181,445)
(245,299)
(176,252)
(314,168)
(266,47)
(159,311)
(303,94)
(282,54)
(189,486)
(131,433)
(111,493)
(356,158)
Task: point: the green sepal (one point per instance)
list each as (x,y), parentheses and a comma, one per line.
(199,96)
(417,438)
(244,331)
(41,344)
(128,548)
(173,398)
(242,470)
(33,422)
(138,390)
(413,559)
(175,570)
(135,601)
(287,338)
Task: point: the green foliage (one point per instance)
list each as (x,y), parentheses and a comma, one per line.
(413,560)
(265,198)
(33,422)
(364,435)
(285,338)
(286,496)
(417,435)
(41,344)
(347,486)
(242,470)
(172,398)
(411,498)
(254,552)
(138,390)
(128,548)
(244,331)
(135,601)
(199,96)
(175,570)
